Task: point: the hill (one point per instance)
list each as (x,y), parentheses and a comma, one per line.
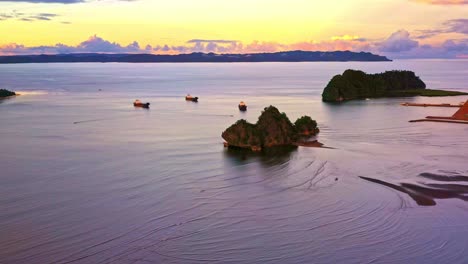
(287,56)
(353,84)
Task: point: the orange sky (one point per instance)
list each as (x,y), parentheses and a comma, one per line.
(331,24)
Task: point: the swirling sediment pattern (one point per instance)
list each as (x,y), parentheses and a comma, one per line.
(87,178)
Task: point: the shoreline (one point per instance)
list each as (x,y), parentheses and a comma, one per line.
(197,57)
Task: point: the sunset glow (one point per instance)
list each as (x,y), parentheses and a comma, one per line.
(431,28)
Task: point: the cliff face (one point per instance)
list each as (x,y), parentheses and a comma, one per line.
(272,129)
(242,134)
(6,93)
(354,84)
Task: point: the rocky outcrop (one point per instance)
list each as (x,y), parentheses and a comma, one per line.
(273,128)
(242,134)
(354,84)
(306,126)
(6,93)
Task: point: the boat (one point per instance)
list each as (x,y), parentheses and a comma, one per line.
(191,98)
(138,103)
(242,106)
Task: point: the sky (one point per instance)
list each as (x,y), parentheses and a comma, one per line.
(394,28)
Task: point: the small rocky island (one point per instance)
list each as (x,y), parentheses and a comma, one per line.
(353,84)
(5,93)
(272,129)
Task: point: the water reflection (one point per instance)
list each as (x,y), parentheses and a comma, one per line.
(127,185)
(2,100)
(267,157)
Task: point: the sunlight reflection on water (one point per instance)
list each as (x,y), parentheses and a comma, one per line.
(88,178)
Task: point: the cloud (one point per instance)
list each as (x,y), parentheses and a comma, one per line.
(223,41)
(401,46)
(44,16)
(28,17)
(347,37)
(456,45)
(59,1)
(459,26)
(94,44)
(449,49)
(233,46)
(46,1)
(443,2)
(206,45)
(398,42)
(199,45)
(398,45)
(5,17)
(98,44)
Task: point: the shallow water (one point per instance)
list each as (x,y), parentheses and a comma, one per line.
(88,178)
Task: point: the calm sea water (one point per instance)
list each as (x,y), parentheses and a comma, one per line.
(87,178)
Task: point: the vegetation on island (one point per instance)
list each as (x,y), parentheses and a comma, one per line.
(353,84)
(6,93)
(283,56)
(306,126)
(424,92)
(273,128)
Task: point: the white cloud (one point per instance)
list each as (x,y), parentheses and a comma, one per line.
(398,42)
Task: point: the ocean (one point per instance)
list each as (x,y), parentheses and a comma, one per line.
(87,178)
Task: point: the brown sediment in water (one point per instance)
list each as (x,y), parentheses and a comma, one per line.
(439,121)
(460,117)
(439,177)
(310,144)
(431,105)
(420,199)
(462,113)
(424,194)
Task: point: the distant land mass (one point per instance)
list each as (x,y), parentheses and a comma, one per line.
(353,84)
(286,56)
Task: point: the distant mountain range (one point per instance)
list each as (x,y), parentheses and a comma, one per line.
(286,56)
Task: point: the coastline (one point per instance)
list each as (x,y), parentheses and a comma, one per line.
(197,57)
